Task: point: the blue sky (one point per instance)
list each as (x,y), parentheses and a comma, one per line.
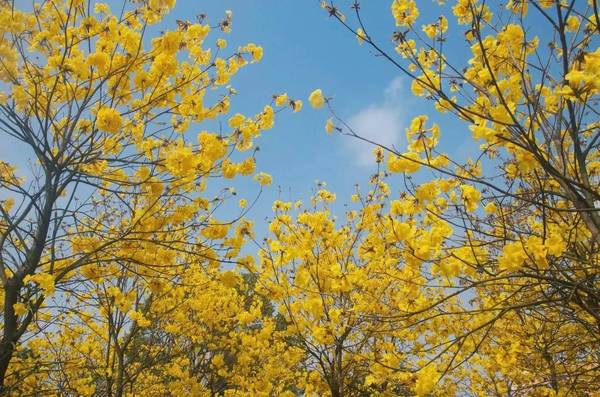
(304,49)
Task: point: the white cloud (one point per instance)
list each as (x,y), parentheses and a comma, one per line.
(379,122)
(394,89)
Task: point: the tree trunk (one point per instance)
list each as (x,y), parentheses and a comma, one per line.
(12,286)
(9,334)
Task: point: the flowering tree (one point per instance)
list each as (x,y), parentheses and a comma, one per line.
(524,208)
(113,203)
(120,276)
(339,283)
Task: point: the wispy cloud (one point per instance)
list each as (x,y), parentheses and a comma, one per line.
(381,122)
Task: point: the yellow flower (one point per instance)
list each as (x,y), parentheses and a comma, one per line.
(426,380)
(316,99)
(221,43)
(296,105)
(405,12)
(430,30)
(99,60)
(329,126)
(100,8)
(236,120)
(229,279)
(470,197)
(491,208)
(215,230)
(44,280)
(255,51)
(360,36)
(19,309)
(325,196)
(572,23)
(281,100)
(407,163)
(513,257)
(555,244)
(378,153)
(263,179)
(109,120)
(164,64)
(139,319)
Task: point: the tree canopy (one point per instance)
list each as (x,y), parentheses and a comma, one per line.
(127,268)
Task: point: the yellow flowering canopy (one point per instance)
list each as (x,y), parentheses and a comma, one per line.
(126,269)
(109,237)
